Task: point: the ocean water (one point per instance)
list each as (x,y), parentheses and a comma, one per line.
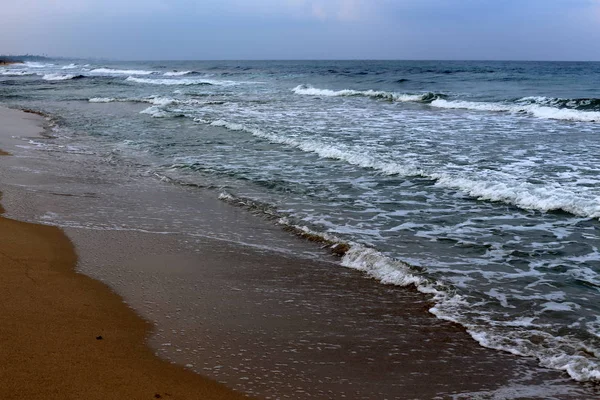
(477,182)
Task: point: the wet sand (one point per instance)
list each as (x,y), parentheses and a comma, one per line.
(66,336)
(261,320)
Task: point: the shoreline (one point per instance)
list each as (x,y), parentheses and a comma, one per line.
(83,342)
(283,304)
(65,335)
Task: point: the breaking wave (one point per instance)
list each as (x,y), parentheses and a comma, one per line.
(551,351)
(103,100)
(391,96)
(179,73)
(589,104)
(156,101)
(110,71)
(577,110)
(527,196)
(185,82)
(59,77)
(174,82)
(524,195)
(322,149)
(532,109)
(37,65)
(17,73)
(155,112)
(556,352)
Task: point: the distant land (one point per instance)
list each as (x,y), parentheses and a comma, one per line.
(5,60)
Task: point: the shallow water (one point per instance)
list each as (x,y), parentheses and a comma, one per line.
(483,176)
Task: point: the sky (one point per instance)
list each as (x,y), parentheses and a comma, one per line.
(303,29)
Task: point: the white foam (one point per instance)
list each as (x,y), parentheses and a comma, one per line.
(226,197)
(524,195)
(336,152)
(554,102)
(382,268)
(158,101)
(37,65)
(373,263)
(560,307)
(58,77)
(155,112)
(103,100)
(554,352)
(17,73)
(70,66)
(528,390)
(400,97)
(110,71)
(161,101)
(535,110)
(184,82)
(523,338)
(539,107)
(178,73)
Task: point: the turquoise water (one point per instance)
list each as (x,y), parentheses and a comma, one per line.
(476,181)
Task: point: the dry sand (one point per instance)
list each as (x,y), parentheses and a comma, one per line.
(66,336)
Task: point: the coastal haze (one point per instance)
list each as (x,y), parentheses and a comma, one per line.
(305,29)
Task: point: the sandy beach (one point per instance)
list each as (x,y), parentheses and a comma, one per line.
(271,323)
(66,336)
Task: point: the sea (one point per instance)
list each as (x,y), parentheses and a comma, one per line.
(476,182)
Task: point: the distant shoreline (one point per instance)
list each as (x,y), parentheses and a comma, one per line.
(5,62)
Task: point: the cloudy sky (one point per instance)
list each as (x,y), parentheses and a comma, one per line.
(304,29)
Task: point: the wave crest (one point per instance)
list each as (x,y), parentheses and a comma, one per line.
(179,73)
(524,195)
(322,149)
(17,73)
(391,96)
(535,110)
(59,77)
(576,110)
(585,104)
(110,71)
(173,82)
(31,64)
(186,82)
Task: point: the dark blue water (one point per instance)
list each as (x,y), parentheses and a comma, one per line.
(476,181)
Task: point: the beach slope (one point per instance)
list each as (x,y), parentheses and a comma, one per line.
(64,335)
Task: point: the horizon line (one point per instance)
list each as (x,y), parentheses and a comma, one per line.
(295,59)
